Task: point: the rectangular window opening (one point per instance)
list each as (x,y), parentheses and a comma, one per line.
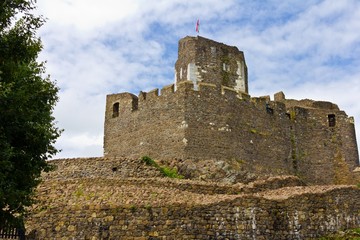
(116,107)
(332,120)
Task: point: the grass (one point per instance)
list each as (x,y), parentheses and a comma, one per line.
(351,234)
(149,161)
(79,192)
(133,208)
(170,172)
(166,171)
(253,131)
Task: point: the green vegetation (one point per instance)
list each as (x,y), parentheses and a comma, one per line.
(351,234)
(170,172)
(27,100)
(342,174)
(225,74)
(79,191)
(133,208)
(166,171)
(225,78)
(333,138)
(293,115)
(294,157)
(260,133)
(149,161)
(225,59)
(148,207)
(240,161)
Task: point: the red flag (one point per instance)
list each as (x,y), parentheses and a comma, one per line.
(198,26)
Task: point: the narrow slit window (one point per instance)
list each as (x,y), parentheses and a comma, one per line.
(269,109)
(332,120)
(116,109)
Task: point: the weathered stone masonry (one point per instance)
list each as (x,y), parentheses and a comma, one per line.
(203,60)
(248,218)
(207,118)
(209,126)
(113,205)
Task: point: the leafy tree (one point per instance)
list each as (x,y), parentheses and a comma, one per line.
(27,99)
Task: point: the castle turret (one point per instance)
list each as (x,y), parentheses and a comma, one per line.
(204,60)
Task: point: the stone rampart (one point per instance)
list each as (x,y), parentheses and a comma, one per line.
(127,171)
(122,198)
(100,167)
(81,210)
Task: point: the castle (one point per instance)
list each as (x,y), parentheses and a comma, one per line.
(238,153)
(209,114)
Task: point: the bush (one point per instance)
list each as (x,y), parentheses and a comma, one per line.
(149,161)
(170,172)
(166,171)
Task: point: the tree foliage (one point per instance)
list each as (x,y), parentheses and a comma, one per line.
(27,99)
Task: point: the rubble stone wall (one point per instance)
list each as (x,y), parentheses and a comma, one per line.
(304,216)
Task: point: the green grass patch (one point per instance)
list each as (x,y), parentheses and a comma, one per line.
(353,234)
(133,208)
(148,161)
(254,131)
(79,192)
(166,171)
(170,172)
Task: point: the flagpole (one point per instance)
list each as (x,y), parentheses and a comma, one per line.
(197,28)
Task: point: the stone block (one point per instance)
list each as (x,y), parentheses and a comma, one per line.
(279,97)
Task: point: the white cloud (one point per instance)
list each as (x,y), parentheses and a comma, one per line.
(89,145)
(87,15)
(307,48)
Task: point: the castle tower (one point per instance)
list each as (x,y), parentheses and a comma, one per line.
(204,60)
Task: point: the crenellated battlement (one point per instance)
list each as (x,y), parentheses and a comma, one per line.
(128,103)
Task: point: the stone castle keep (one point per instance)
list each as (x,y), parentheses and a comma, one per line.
(254,168)
(209,114)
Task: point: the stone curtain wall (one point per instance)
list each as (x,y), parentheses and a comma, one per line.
(271,215)
(261,133)
(135,172)
(96,167)
(214,123)
(232,128)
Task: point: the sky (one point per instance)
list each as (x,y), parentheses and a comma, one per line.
(307,49)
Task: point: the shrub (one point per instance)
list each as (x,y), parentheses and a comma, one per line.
(149,161)
(166,171)
(170,172)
